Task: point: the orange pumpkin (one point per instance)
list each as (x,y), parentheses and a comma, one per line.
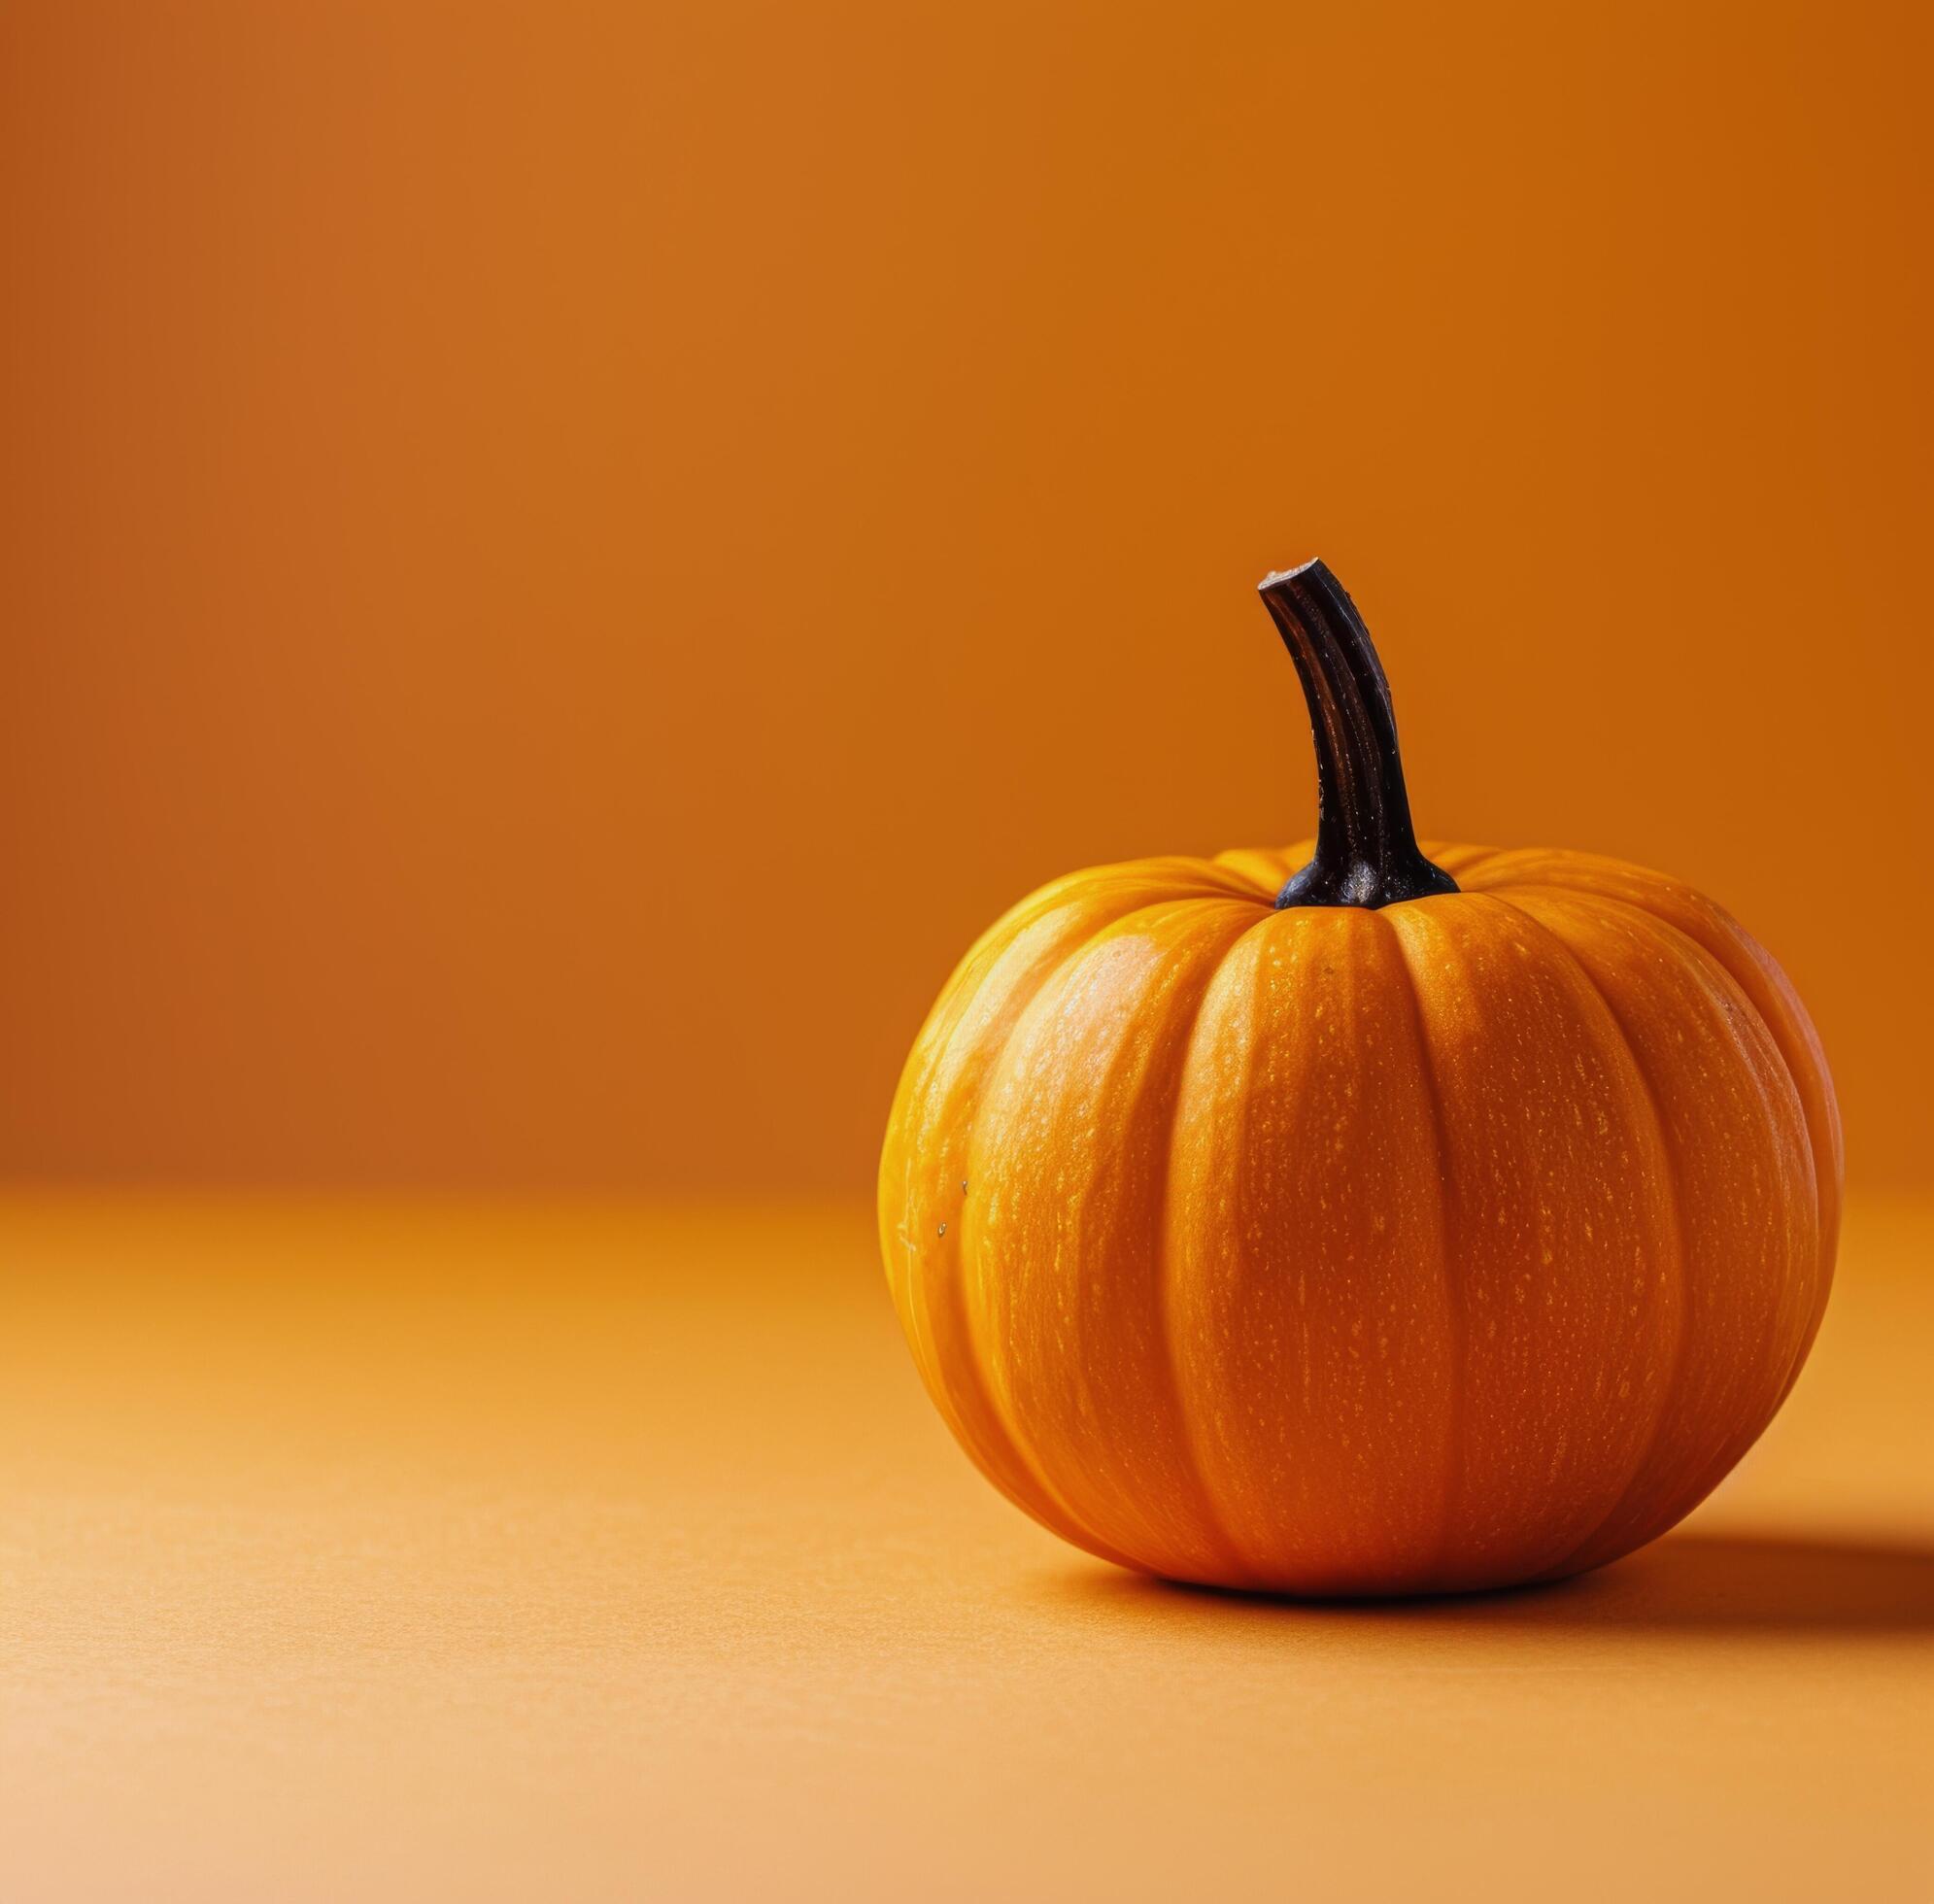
(1398,1224)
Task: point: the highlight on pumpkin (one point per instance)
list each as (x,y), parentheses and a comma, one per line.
(1356,1216)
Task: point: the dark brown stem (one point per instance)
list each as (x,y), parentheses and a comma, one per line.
(1365,851)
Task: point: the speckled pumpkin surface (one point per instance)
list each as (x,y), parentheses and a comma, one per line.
(1432,1243)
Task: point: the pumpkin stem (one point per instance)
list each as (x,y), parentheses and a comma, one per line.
(1367,852)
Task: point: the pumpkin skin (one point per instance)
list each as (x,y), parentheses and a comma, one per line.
(1338,1249)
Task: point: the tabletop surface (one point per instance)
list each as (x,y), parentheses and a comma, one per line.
(480,1552)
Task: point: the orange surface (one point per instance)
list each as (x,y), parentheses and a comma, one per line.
(558,561)
(499,1552)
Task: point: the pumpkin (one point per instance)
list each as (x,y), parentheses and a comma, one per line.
(1359,1218)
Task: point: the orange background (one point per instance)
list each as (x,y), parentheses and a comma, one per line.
(558,564)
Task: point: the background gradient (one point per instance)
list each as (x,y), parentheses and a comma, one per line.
(560,564)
